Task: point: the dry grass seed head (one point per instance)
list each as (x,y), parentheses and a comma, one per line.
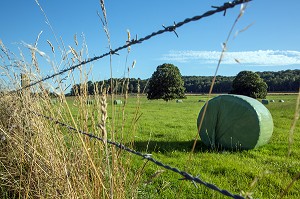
(51,46)
(75,40)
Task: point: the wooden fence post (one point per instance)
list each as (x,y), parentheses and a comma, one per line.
(25,81)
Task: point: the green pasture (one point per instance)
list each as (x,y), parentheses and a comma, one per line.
(167,131)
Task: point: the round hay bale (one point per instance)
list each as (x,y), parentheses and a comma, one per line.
(281,100)
(272,100)
(235,122)
(179,101)
(117,102)
(265,101)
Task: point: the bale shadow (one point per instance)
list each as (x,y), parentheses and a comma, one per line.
(165,146)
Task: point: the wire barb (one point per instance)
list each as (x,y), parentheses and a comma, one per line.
(194,183)
(147,156)
(171,29)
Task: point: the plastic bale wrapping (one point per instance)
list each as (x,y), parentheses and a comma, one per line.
(265,101)
(117,102)
(235,122)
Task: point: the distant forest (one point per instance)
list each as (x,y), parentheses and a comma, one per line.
(282,81)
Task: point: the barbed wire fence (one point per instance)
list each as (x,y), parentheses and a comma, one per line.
(172,28)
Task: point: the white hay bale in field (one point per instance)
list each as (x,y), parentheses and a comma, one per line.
(281,100)
(117,102)
(179,101)
(272,100)
(235,122)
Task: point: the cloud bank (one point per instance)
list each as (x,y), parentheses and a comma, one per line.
(254,58)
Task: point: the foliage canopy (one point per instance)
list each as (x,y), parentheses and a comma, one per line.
(280,81)
(166,83)
(250,84)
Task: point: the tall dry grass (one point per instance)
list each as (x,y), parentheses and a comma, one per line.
(40,159)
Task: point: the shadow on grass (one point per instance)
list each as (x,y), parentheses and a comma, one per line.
(165,146)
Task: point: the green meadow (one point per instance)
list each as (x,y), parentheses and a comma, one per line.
(167,130)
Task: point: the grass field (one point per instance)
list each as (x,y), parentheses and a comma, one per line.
(167,130)
(40,159)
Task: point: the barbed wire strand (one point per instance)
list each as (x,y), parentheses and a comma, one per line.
(186,175)
(171,28)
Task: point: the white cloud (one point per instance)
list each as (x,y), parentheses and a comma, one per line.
(254,58)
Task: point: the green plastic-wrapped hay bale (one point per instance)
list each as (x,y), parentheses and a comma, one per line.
(235,122)
(265,101)
(117,102)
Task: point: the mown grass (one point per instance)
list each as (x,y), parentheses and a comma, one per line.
(167,130)
(41,159)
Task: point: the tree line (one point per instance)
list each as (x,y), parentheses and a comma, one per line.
(118,85)
(281,81)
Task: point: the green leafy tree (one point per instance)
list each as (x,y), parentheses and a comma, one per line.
(250,84)
(166,83)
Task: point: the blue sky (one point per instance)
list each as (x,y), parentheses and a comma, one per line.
(271,43)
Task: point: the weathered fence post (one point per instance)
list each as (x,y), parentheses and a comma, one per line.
(25,81)
(24,97)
